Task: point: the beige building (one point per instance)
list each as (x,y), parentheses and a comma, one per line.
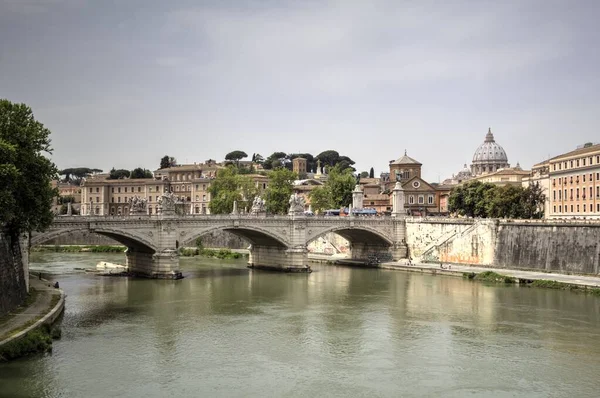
(190,183)
(574,183)
(508,176)
(539,175)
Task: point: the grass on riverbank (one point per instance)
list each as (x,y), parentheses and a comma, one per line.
(36,341)
(489,276)
(221,254)
(79,249)
(547,284)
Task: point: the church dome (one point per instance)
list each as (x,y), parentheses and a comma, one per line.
(464,174)
(489,157)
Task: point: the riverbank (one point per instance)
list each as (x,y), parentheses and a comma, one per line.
(28,329)
(532,278)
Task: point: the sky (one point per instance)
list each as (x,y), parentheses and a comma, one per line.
(121,83)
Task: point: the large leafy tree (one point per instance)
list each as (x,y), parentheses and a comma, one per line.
(276,159)
(230,187)
(331,158)
(118,174)
(236,156)
(76,175)
(140,173)
(281,183)
(336,192)
(476,199)
(167,161)
(25,173)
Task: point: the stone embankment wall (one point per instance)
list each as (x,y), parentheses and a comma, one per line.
(13,275)
(566,247)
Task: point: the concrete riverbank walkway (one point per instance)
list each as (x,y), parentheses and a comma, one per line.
(458,270)
(47,299)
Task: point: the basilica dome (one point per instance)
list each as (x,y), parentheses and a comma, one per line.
(489,157)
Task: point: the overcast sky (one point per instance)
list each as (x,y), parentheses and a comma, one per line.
(123,82)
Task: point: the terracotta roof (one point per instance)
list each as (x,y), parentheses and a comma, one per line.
(578,151)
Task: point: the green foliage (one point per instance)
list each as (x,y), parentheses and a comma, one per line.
(229,187)
(336,192)
(37,341)
(311,161)
(257,158)
(140,173)
(364,174)
(65,199)
(372,173)
(199,243)
(118,174)
(476,199)
(236,156)
(76,175)
(221,254)
(26,195)
(281,182)
(275,160)
(167,161)
(331,158)
(491,276)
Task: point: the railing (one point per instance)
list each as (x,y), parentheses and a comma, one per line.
(93,218)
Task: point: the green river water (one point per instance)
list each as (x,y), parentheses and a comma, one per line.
(227,331)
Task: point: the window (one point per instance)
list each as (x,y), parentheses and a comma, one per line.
(598,207)
(90,190)
(553,195)
(112,200)
(559,194)
(421,199)
(264,185)
(584,178)
(204,187)
(97,199)
(571,208)
(149,210)
(554,166)
(554,209)
(112,190)
(139,189)
(177,188)
(196,187)
(577,192)
(560,209)
(584,164)
(571,197)
(430,199)
(591,192)
(119,190)
(149,198)
(577,208)
(584,208)
(204,198)
(119,199)
(125,189)
(591,177)
(197,198)
(157,189)
(571,163)
(411,199)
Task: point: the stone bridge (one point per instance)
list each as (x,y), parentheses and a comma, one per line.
(277,242)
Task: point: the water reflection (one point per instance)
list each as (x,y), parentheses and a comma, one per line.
(225,330)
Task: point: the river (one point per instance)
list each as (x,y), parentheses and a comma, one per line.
(226,331)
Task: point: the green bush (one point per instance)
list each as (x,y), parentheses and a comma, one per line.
(490,276)
(36,341)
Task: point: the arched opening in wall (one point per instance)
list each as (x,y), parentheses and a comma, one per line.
(231,238)
(355,243)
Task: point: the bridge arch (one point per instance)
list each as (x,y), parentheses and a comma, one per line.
(132,241)
(255,235)
(354,234)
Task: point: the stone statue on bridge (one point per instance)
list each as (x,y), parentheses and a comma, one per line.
(258,205)
(166,203)
(296,204)
(138,205)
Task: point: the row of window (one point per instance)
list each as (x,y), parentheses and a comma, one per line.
(569,164)
(564,180)
(576,197)
(576,208)
(139,189)
(420,199)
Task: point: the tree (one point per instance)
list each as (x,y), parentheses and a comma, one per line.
(331,158)
(167,161)
(236,156)
(336,192)
(320,199)
(76,175)
(371,173)
(140,173)
(26,174)
(281,183)
(230,187)
(276,159)
(533,201)
(364,174)
(118,174)
(257,158)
